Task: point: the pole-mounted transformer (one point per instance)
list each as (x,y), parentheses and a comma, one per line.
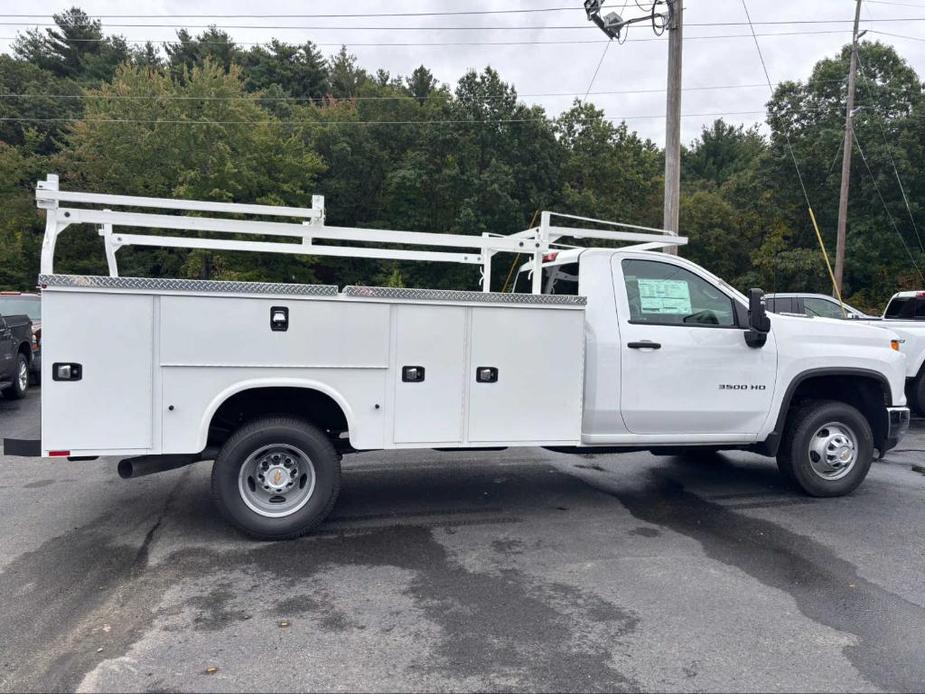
(613,24)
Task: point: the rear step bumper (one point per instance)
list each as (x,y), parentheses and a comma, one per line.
(26,448)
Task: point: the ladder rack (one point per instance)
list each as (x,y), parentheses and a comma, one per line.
(96,209)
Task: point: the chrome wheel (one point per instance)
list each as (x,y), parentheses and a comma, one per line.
(276,480)
(833,451)
(23,376)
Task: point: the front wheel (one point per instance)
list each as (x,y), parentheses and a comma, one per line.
(917,394)
(827,448)
(20,379)
(276,478)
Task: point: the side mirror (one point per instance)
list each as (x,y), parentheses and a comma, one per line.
(759,325)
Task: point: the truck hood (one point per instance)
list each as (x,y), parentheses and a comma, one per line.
(858,332)
(912,333)
(809,343)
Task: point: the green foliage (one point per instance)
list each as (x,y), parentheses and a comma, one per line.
(203,138)
(277,123)
(298,71)
(75,49)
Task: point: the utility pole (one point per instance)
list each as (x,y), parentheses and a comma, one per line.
(846,158)
(663,15)
(673,123)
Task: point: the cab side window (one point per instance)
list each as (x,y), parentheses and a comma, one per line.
(665,294)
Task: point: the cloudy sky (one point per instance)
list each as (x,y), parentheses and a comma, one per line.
(549,56)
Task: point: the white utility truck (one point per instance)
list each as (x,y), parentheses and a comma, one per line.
(610,349)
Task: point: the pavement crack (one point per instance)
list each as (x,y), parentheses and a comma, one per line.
(141,557)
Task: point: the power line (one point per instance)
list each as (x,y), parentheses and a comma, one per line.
(321,15)
(349,15)
(399,97)
(256,99)
(902,188)
(441,44)
(596,70)
(459,121)
(897,36)
(889,2)
(883,202)
(793,157)
(323,99)
(534,27)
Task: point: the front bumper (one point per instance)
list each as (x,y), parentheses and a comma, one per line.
(898,419)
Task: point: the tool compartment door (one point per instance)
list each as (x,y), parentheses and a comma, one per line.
(432,338)
(111,337)
(539,357)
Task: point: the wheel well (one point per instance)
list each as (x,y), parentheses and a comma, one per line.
(867,393)
(317,407)
(26,351)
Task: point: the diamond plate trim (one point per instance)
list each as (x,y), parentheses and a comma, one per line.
(182,285)
(454,295)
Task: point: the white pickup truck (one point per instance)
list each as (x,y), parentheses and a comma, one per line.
(612,349)
(897,319)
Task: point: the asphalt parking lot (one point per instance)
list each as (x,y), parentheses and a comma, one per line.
(522,570)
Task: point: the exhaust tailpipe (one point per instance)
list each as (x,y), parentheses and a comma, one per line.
(130,468)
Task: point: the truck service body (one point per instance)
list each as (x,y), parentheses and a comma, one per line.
(276,381)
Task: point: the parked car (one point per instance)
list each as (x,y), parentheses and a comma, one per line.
(820,305)
(899,318)
(18,303)
(15,355)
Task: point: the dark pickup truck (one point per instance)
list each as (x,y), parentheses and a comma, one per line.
(15,355)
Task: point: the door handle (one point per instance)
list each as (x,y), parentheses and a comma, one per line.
(644,344)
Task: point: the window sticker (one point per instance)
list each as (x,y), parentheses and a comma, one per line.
(664,296)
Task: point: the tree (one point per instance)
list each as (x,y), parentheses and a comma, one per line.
(76,49)
(20,226)
(722,151)
(204,138)
(35,112)
(422,82)
(608,172)
(212,45)
(889,95)
(299,71)
(345,77)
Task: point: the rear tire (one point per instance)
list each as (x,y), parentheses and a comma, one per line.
(827,448)
(17,391)
(276,478)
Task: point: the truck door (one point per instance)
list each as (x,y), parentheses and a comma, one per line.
(685,366)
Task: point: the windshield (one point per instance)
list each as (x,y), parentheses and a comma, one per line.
(18,305)
(909,307)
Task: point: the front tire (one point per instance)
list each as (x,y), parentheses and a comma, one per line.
(917,394)
(276,478)
(17,391)
(827,449)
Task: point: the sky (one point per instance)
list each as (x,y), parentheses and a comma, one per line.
(722,71)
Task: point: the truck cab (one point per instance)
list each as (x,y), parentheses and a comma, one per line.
(670,362)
